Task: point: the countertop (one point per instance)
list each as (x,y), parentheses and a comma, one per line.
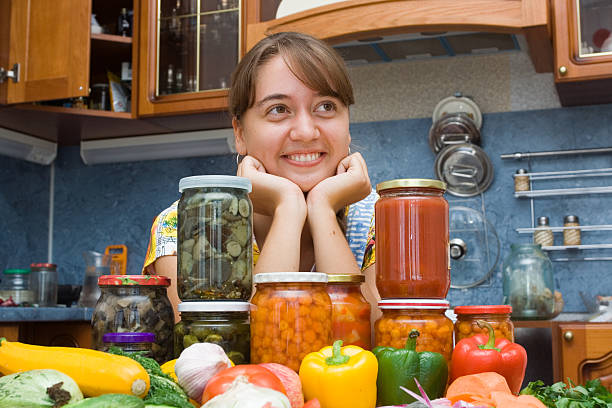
(44,314)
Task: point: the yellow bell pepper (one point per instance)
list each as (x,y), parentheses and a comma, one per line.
(340,377)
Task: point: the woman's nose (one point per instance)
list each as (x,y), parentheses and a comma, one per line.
(304,127)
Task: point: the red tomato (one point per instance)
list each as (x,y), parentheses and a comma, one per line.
(254,374)
(313,403)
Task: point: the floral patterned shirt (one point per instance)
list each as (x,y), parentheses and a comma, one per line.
(359,233)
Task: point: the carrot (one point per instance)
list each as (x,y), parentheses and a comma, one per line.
(479,384)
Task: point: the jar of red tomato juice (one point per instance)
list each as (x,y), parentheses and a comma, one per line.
(412,243)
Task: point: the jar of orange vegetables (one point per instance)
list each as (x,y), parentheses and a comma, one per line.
(290,317)
(350,310)
(498,316)
(427,316)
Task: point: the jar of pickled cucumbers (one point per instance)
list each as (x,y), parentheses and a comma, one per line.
(400,316)
(350,310)
(498,316)
(224,323)
(214,241)
(291,316)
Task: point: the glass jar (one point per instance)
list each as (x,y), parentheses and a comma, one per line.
(15,285)
(412,239)
(528,282)
(44,284)
(290,317)
(215,243)
(521,180)
(571,236)
(427,316)
(543,235)
(223,323)
(498,316)
(141,343)
(135,303)
(350,310)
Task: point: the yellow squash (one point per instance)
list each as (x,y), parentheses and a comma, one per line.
(94,371)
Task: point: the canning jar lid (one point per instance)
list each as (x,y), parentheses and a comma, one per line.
(144,337)
(133,280)
(290,277)
(482,309)
(43,266)
(421,183)
(15,271)
(216,180)
(345,278)
(214,306)
(440,304)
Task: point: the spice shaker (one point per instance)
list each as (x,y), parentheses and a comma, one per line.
(521,180)
(543,234)
(571,236)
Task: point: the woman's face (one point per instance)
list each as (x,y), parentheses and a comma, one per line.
(294,131)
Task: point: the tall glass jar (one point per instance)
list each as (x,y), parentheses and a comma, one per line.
(290,317)
(400,316)
(223,323)
(412,239)
(350,310)
(498,316)
(215,244)
(135,303)
(528,282)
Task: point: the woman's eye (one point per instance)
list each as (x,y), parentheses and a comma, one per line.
(278,110)
(326,107)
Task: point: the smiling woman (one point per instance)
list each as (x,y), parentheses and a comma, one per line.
(312,199)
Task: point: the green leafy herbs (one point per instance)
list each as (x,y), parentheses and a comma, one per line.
(560,395)
(163,391)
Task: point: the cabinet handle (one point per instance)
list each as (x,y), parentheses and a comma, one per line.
(568,336)
(562,70)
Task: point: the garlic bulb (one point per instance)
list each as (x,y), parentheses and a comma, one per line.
(197,364)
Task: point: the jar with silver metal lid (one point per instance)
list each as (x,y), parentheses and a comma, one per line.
(543,235)
(521,181)
(215,238)
(571,236)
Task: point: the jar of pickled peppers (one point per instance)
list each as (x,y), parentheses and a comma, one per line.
(400,316)
(290,317)
(498,316)
(350,310)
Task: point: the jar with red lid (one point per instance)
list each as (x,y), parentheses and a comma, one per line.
(498,316)
(350,310)
(135,303)
(290,317)
(412,239)
(400,316)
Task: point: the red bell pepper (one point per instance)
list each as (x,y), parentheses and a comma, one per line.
(482,353)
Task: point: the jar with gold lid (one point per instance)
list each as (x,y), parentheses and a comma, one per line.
(498,316)
(350,310)
(400,316)
(290,317)
(412,239)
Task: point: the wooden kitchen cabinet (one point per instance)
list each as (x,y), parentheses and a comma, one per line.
(586,352)
(187,52)
(64,334)
(583,51)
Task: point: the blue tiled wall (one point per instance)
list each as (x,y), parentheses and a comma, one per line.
(100,205)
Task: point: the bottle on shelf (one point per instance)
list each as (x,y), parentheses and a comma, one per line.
(124,28)
(543,234)
(170,79)
(571,236)
(521,181)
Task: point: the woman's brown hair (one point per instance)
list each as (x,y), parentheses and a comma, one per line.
(311,60)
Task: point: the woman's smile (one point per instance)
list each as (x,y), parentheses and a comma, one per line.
(305,159)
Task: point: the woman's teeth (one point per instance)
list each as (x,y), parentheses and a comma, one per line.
(304,157)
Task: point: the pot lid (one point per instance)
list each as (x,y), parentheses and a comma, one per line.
(451,129)
(474,247)
(465,168)
(456,104)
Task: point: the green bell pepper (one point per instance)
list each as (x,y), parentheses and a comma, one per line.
(399,367)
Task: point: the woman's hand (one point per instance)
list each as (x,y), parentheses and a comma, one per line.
(271,192)
(350,184)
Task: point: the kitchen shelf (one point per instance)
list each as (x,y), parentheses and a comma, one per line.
(560,229)
(563,192)
(111,38)
(565,247)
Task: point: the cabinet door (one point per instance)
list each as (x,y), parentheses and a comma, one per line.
(187,52)
(583,39)
(586,352)
(50,42)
